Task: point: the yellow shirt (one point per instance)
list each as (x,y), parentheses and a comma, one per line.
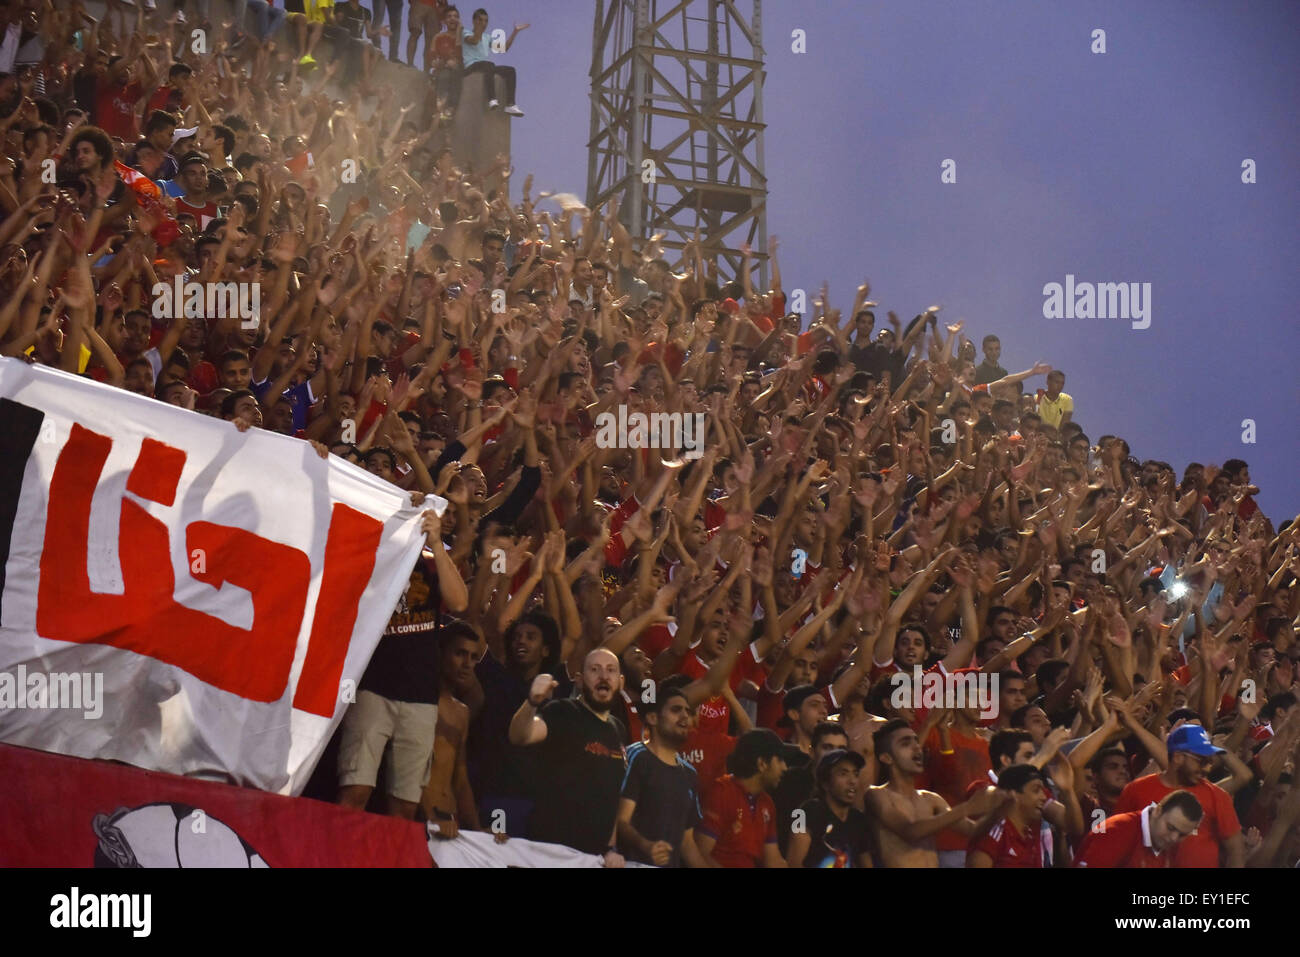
(83,359)
(318,11)
(1051,410)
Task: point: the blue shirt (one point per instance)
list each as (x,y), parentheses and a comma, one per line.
(300,399)
(416,235)
(476,52)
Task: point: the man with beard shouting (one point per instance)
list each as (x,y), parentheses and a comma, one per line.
(582,765)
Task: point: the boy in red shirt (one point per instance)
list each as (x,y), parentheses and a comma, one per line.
(1019,839)
(739,824)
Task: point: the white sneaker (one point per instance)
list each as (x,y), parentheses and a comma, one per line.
(493,104)
(513,110)
(150,5)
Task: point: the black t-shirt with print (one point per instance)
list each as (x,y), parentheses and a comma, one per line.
(406,665)
(577,797)
(835,843)
(356,20)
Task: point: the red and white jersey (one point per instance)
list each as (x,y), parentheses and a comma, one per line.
(1009,847)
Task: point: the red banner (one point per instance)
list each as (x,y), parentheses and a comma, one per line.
(59,811)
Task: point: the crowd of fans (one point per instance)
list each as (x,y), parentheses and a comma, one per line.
(634,652)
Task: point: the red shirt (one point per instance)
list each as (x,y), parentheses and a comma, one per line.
(1245,510)
(203,377)
(1090,806)
(300,163)
(626,706)
(615,550)
(376,410)
(160,98)
(446,46)
(710,741)
(815,389)
(115,110)
(741,823)
(203,212)
(1123,841)
(714,715)
(707,754)
(1220,822)
(1260,732)
(672,355)
(655,640)
(1010,848)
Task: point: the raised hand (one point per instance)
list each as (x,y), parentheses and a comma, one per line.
(542,688)
(524,414)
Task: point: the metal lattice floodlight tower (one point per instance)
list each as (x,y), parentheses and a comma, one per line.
(679,83)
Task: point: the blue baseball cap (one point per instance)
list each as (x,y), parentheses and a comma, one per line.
(1192,737)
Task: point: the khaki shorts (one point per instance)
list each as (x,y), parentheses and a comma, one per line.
(368,728)
(422,18)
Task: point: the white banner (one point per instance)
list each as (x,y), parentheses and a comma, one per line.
(179,595)
(480,849)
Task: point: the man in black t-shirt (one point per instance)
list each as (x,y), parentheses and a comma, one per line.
(834,833)
(354,18)
(798,784)
(660,806)
(396,709)
(582,750)
(352,33)
(860,348)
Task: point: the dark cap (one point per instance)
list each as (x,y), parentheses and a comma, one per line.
(832,758)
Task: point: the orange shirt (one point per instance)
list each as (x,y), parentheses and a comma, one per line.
(951,775)
(1220,822)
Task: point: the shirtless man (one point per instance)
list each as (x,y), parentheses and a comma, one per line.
(447,800)
(906,820)
(461,236)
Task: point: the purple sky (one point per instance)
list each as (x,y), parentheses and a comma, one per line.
(1115,167)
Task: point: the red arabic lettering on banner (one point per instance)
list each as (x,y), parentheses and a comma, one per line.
(253,663)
